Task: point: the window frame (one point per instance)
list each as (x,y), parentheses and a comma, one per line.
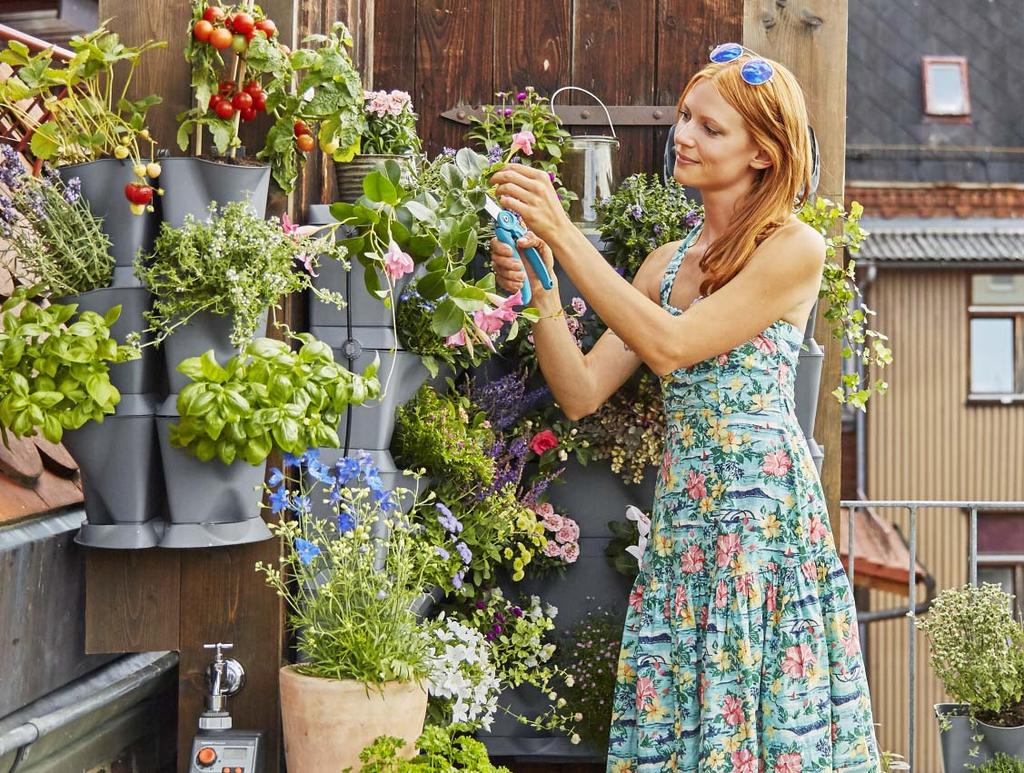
(1013,561)
(946,117)
(1016,312)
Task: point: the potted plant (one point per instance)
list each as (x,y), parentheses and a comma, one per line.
(349,583)
(977,651)
(91,131)
(390,134)
(225,423)
(312,92)
(214,281)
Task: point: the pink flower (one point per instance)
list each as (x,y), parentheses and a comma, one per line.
(782,374)
(397,263)
(307,263)
(287,225)
(544,508)
(680,600)
(552,549)
(693,560)
(721,595)
(543,441)
(790,762)
(809,569)
(505,310)
(732,711)
(456,339)
(816,530)
(764,345)
(523,141)
(851,642)
(728,546)
(776,463)
(636,597)
(743,583)
(570,552)
(770,596)
(695,485)
(744,761)
(553,522)
(645,692)
(797,661)
(579,305)
(488,320)
(570,531)
(723,358)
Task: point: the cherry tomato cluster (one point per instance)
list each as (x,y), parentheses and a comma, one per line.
(249,101)
(303,137)
(233,31)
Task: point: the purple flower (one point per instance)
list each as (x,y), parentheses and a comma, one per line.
(691,218)
(499,617)
(521,96)
(494,154)
(517,611)
(551,176)
(447,520)
(636,211)
(508,111)
(11,168)
(657,229)
(464,551)
(276,477)
(73,190)
(481,605)
(448,152)
(458,578)
(444,554)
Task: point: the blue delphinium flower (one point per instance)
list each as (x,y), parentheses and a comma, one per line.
(306,550)
(346,522)
(345,469)
(290,460)
(279,500)
(276,477)
(302,504)
(320,471)
(312,455)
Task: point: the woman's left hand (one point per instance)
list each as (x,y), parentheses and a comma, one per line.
(529,192)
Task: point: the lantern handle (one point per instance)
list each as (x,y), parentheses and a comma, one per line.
(577,88)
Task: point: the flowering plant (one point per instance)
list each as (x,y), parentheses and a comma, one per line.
(643,214)
(49,231)
(267,397)
(521,655)
(390,124)
(589,653)
(562,546)
(462,683)
(85,115)
(442,750)
(236,265)
(56,373)
(350,581)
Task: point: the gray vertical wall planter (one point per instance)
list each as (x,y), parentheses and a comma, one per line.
(103,184)
(121,476)
(191,184)
(204,331)
(808,383)
(959,739)
(139,376)
(209,503)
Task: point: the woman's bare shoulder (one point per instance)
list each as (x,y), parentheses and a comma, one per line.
(795,242)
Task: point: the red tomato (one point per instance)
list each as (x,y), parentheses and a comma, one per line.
(252,87)
(201,31)
(226,87)
(248,114)
(301,128)
(305,142)
(241,101)
(213,14)
(243,24)
(267,26)
(221,38)
(259,101)
(224,109)
(215,100)
(138,194)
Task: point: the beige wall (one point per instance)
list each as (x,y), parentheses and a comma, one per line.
(925,443)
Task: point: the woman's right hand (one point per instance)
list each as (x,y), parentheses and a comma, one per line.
(511,273)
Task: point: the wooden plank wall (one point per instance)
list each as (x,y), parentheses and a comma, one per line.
(450,52)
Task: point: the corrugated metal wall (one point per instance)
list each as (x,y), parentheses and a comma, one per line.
(925,442)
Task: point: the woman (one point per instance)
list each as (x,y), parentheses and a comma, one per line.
(740,651)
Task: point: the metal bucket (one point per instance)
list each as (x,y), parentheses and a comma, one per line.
(590,167)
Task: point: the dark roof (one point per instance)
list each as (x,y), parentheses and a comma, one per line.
(946,241)
(887,135)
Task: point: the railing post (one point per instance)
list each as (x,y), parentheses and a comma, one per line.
(911,634)
(972,542)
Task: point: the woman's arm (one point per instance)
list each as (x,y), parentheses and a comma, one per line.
(783,273)
(580,383)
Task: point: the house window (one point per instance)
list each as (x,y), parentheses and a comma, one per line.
(945,86)
(997,337)
(1001,553)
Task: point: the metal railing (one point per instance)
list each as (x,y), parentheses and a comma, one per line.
(912,507)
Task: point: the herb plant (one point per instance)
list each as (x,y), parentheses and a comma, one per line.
(442,750)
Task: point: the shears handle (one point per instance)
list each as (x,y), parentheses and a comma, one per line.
(506,236)
(508,232)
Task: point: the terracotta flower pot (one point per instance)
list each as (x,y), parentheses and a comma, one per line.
(328,722)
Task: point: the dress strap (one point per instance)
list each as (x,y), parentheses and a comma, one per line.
(669,276)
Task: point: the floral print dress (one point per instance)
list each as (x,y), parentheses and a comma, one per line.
(740,652)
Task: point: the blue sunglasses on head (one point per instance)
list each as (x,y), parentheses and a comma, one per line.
(754,71)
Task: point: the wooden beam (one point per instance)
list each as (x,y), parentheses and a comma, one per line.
(809,37)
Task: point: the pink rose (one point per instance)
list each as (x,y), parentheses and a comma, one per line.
(570,531)
(523,141)
(797,660)
(570,552)
(397,263)
(552,549)
(553,522)
(543,441)
(776,463)
(544,508)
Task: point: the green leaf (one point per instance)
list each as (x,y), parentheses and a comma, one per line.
(210,369)
(45,141)
(448,318)
(377,187)
(422,213)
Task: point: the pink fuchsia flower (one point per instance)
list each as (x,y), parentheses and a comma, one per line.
(570,531)
(553,522)
(523,141)
(456,339)
(790,762)
(776,463)
(543,441)
(397,263)
(797,660)
(570,552)
(552,549)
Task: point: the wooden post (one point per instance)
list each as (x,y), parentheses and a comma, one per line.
(809,37)
(179,600)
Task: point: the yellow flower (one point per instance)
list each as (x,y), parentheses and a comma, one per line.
(687,436)
(714,394)
(746,437)
(717,489)
(731,744)
(789,502)
(623,766)
(840,625)
(663,544)
(776,687)
(625,671)
(762,402)
(770,526)
(729,443)
(722,660)
(657,712)
(744,652)
(707,504)
(716,758)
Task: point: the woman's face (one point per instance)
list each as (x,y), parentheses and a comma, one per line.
(714,150)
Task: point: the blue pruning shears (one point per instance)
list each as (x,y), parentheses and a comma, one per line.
(508,229)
